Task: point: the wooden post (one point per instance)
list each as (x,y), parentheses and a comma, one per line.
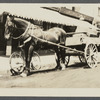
(9,47)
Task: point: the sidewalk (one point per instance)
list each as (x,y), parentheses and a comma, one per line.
(4,63)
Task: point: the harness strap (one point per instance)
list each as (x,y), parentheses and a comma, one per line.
(65,47)
(27,40)
(26,29)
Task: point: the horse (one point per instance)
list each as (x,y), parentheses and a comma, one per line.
(31,34)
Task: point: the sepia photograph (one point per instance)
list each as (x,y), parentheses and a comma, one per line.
(55,46)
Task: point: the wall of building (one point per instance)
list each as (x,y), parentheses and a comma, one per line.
(2,40)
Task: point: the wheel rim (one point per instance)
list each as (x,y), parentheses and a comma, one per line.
(35,62)
(67,58)
(91,55)
(17,62)
(82,59)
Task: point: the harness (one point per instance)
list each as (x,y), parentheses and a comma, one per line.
(25,33)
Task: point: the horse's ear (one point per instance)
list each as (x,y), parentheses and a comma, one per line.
(10,18)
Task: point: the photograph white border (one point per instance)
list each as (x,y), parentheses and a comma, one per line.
(51,92)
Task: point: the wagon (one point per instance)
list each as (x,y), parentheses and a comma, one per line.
(85,47)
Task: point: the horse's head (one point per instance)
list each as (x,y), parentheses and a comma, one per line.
(9,27)
(15,27)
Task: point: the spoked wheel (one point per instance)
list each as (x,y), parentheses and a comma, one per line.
(82,59)
(67,58)
(17,63)
(91,55)
(35,62)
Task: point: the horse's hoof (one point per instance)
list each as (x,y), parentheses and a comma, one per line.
(13,72)
(63,66)
(57,68)
(25,73)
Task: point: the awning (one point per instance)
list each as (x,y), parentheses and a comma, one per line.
(37,13)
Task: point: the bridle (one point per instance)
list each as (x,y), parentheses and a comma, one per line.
(29,27)
(22,35)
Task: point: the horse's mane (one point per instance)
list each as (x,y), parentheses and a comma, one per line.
(19,19)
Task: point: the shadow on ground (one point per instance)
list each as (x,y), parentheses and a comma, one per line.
(73,66)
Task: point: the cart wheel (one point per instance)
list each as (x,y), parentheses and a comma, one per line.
(91,55)
(35,62)
(67,58)
(82,59)
(17,63)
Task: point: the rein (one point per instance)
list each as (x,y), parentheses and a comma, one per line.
(23,33)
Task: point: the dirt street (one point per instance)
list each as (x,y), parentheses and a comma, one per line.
(76,75)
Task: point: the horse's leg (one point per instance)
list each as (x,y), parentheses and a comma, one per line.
(57,50)
(30,54)
(62,39)
(62,62)
(26,56)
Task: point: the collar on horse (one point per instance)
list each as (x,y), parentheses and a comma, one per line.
(26,31)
